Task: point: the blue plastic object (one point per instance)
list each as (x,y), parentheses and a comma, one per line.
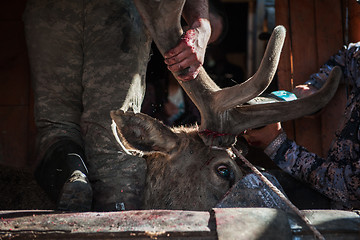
(284,95)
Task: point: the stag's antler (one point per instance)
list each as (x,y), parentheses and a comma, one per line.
(221,109)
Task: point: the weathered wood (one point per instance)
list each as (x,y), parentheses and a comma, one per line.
(284,70)
(329,39)
(354,21)
(285,64)
(107,225)
(333,224)
(221,223)
(251,223)
(303,35)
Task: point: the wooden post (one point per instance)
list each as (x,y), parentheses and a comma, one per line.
(354,21)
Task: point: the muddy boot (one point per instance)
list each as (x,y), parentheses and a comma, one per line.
(62,174)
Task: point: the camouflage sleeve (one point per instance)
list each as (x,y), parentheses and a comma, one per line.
(344,59)
(337,176)
(337,180)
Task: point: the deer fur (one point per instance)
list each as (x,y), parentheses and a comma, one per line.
(182,172)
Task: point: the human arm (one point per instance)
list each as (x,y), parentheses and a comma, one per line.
(336,177)
(190,52)
(346,59)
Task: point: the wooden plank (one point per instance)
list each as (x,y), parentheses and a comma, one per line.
(354,21)
(221,223)
(304,49)
(13,135)
(333,224)
(284,69)
(252,223)
(284,72)
(329,37)
(329,42)
(108,225)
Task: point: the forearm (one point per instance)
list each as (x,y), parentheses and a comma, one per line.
(346,59)
(196,14)
(195,11)
(331,178)
(185,59)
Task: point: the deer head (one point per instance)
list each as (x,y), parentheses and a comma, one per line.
(185,170)
(182,173)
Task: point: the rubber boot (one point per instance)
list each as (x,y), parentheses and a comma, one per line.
(62,174)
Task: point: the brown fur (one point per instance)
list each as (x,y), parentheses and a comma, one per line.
(182,170)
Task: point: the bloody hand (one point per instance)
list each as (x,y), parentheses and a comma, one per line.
(190,52)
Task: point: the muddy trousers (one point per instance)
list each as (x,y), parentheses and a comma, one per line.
(88,58)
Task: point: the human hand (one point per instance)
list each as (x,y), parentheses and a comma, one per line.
(304,90)
(190,52)
(264,136)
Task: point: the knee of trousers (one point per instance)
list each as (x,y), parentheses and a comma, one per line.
(118,182)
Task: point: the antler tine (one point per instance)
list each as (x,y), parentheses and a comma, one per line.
(254,86)
(253,116)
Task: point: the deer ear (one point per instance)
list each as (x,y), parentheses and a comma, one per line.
(142,132)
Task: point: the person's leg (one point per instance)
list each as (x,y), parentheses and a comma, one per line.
(116,54)
(54,34)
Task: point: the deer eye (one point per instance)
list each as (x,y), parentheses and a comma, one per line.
(223,171)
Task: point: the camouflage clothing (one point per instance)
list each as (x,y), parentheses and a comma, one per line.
(337,176)
(87,58)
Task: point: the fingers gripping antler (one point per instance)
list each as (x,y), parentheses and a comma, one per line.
(220,109)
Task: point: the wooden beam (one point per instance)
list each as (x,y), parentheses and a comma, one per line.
(107,225)
(354,21)
(284,73)
(304,52)
(329,39)
(222,224)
